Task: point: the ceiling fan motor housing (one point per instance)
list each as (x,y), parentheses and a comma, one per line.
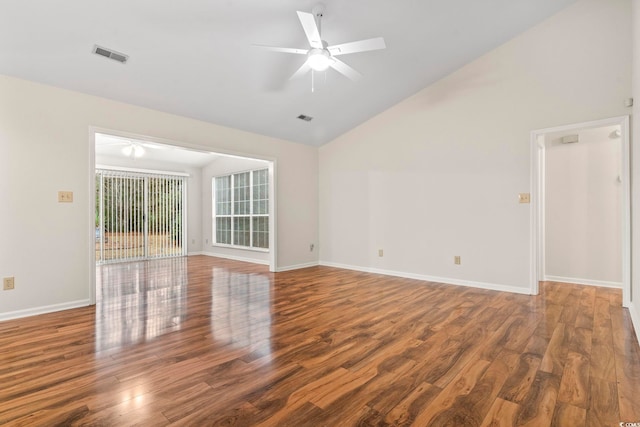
(319,59)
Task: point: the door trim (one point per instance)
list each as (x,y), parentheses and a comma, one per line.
(537,200)
(273,191)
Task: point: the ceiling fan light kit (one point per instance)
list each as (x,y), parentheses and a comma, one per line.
(319,59)
(321,56)
(133,151)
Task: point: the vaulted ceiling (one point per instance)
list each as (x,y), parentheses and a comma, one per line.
(197,58)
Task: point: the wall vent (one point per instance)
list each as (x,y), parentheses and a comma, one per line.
(111,54)
(305,117)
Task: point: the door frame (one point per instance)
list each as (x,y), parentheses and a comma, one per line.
(273,241)
(537,226)
(145,175)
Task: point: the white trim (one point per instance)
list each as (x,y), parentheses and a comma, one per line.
(235,258)
(44,309)
(138,170)
(587,282)
(181,144)
(537,202)
(297,266)
(273,195)
(241,248)
(273,224)
(444,280)
(92,213)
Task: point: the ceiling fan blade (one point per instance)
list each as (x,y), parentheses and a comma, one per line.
(310,28)
(304,69)
(345,69)
(283,49)
(359,46)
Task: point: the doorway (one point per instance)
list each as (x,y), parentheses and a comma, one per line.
(123,151)
(560,139)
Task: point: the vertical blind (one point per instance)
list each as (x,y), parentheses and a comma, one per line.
(139,215)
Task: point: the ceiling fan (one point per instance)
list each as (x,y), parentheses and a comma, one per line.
(320,55)
(131,148)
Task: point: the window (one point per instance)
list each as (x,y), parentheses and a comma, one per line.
(241,209)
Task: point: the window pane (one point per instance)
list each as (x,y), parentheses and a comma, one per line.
(261,192)
(241,231)
(241,194)
(261,232)
(223,195)
(223,230)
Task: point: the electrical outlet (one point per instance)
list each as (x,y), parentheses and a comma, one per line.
(65,196)
(524,198)
(311,246)
(380,252)
(8,283)
(456,260)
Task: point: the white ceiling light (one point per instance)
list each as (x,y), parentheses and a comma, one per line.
(133,151)
(319,59)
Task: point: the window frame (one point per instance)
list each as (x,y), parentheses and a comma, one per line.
(232,215)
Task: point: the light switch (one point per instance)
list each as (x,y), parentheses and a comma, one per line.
(524,198)
(65,196)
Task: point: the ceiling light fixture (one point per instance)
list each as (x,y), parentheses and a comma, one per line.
(319,59)
(133,151)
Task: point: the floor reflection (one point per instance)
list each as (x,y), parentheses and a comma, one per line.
(138,301)
(241,309)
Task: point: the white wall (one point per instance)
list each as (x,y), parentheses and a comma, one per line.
(583,208)
(438,174)
(634,308)
(45,147)
(194,191)
(225,166)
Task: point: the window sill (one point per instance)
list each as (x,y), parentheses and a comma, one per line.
(242,248)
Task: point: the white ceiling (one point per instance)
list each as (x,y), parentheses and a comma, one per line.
(195,58)
(110,147)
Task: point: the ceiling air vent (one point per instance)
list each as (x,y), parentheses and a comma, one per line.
(305,118)
(111,54)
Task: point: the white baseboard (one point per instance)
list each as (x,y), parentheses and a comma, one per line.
(44,309)
(235,258)
(446,280)
(261,262)
(588,282)
(296,267)
(195,253)
(635,319)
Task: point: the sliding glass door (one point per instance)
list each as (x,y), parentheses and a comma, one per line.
(139,216)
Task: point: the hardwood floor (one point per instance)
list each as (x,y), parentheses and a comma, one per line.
(203,341)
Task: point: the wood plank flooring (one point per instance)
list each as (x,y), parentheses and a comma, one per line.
(203,341)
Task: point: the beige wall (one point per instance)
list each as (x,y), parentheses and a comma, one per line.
(45,147)
(438,175)
(583,208)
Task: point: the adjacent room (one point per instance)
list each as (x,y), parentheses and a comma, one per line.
(320,214)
